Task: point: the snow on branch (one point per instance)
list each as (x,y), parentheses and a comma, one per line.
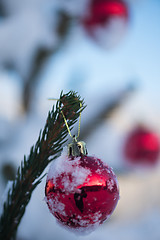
(29,174)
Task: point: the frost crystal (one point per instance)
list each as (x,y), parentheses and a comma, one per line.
(57,206)
(110,184)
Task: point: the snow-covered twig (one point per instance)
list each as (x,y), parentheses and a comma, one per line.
(46,149)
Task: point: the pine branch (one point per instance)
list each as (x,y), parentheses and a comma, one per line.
(29,174)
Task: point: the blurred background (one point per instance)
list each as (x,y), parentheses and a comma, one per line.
(111,56)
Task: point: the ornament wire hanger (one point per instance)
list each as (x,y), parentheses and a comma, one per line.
(76,148)
(79,125)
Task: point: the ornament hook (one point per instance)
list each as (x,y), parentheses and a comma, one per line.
(76,148)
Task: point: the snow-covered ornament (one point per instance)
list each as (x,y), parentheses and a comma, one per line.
(142,147)
(106,21)
(81,191)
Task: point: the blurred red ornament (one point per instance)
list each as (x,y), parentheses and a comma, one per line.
(142,147)
(81,192)
(106,20)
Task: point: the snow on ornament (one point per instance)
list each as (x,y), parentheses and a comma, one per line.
(106,21)
(142,147)
(81,191)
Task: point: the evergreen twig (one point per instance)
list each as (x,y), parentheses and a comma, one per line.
(29,174)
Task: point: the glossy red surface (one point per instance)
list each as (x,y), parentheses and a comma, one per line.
(91,202)
(102,10)
(142,147)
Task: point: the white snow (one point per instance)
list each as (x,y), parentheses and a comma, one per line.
(110,35)
(64,165)
(27,29)
(56,206)
(110,184)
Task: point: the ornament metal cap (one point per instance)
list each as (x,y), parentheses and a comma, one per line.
(77,148)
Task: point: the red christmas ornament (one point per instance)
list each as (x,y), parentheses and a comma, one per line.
(142,147)
(106,20)
(81,191)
